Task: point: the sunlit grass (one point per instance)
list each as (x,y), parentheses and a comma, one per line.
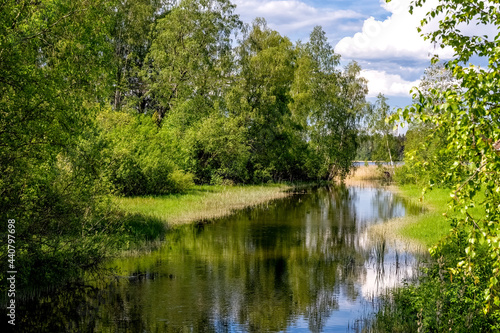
(201,202)
(428,228)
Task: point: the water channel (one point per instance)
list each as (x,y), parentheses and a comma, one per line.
(305,263)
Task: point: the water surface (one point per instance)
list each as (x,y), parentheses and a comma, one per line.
(299,264)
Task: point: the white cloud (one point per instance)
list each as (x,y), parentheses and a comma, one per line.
(291,16)
(387,84)
(391,50)
(394,38)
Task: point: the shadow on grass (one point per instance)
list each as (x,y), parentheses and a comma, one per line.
(142,228)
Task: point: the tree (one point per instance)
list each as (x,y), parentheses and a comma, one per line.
(376,119)
(53,78)
(261,97)
(190,57)
(132,24)
(469,116)
(426,155)
(329,103)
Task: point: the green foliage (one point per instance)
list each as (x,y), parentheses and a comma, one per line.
(374,147)
(261,99)
(190,55)
(219,150)
(138,156)
(426,155)
(464,119)
(146,97)
(328,103)
(53,75)
(442,301)
(380,131)
(426,159)
(131,28)
(469,118)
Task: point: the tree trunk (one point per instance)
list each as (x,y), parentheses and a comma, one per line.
(389,149)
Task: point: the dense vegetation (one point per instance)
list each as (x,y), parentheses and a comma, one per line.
(454,141)
(101,98)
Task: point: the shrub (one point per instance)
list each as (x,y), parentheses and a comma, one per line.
(140,162)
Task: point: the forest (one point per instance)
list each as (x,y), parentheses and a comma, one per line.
(108,98)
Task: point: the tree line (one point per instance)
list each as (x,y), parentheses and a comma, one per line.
(234,103)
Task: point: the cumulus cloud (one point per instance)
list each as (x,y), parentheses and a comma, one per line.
(387,44)
(292,17)
(387,84)
(394,38)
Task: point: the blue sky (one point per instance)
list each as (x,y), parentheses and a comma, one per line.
(381,37)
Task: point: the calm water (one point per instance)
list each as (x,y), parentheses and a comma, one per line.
(304,263)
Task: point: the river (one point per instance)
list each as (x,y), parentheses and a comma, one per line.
(305,263)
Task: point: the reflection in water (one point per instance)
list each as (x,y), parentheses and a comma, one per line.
(304,263)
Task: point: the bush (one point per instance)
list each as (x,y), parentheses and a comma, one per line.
(63,221)
(218,150)
(425,158)
(127,176)
(180,181)
(405,174)
(139,156)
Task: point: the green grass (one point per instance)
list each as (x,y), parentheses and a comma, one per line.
(420,232)
(429,227)
(200,203)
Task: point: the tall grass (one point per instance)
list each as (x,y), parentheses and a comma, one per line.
(147,219)
(200,203)
(366,172)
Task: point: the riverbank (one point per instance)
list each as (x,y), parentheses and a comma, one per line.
(441,298)
(147,218)
(413,232)
(421,231)
(424,230)
(203,202)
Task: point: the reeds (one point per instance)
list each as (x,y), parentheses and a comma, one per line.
(391,231)
(370,172)
(201,203)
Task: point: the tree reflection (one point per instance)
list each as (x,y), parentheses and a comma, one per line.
(258,270)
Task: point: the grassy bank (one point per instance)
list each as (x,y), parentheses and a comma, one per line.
(427,228)
(147,218)
(418,232)
(201,202)
(431,226)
